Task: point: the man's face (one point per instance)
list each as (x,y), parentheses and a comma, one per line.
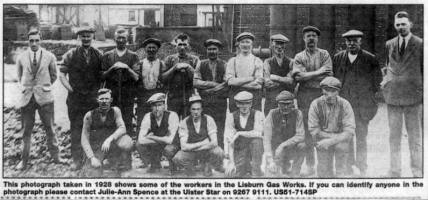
(182,46)
(330,94)
(196,110)
(278,47)
(34,42)
(151,50)
(86,38)
(244,107)
(311,39)
(245,45)
(158,108)
(104,101)
(402,25)
(120,41)
(286,107)
(353,44)
(212,52)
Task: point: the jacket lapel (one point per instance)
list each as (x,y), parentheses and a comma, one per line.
(43,61)
(409,49)
(395,53)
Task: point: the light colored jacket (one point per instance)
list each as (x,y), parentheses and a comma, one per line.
(37,83)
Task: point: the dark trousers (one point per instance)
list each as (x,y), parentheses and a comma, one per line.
(127,110)
(358,155)
(305,96)
(46,113)
(339,152)
(76,113)
(295,153)
(216,108)
(187,159)
(413,121)
(177,105)
(248,153)
(152,153)
(117,156)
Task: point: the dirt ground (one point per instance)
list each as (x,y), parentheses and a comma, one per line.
(378,141)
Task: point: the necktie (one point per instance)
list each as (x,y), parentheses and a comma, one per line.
(34,62)
(402,47)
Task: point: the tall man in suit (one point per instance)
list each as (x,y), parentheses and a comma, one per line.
(403,91)
(36,74)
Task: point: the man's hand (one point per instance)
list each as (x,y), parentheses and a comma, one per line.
(182,66)
(323,71)
(234,137)
(275,77)
(120,65)
(323,144)
(259,80)
(230,169)
(95,162)
(272,167)
(106,144)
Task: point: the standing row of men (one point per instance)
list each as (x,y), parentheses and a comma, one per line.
(358,73)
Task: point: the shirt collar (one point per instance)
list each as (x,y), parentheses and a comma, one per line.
(407,38)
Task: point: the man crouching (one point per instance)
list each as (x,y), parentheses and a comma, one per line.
(198,139)
(104,136)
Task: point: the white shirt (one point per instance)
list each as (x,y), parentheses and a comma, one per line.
(400,40)
(352,57)
(150,72)
(184,130)
(38,52)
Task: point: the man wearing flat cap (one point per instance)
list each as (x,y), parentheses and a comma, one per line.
(158,131)
(198,141)
(360,74)
(82,64)
(209,80)
(36,69)
(309,68)
(149,83)
(403,90)
(104,137)
(277,72)
(244,138)
(284,136)
(332,125)
(177,75)
(244,72)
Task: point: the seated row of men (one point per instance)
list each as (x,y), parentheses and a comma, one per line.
(248,135)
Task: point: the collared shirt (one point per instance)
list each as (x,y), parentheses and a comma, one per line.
(173,122)
(38,52)
(300,130)
(400,40)
(331,115)
(352,57)
(150,73)
(308,62)
(244,66)
(230,124)
(184,130)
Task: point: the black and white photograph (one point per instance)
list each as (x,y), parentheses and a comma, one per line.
(213,91)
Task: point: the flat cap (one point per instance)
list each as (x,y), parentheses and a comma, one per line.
(213,42)
(243,97)
(158,97)
(285,96)
(151,40)
(279,37)
(85,29)
(311,28)
(331,82)
(353,33)
(33,31)
(120,31)
(245,35)
(195,98)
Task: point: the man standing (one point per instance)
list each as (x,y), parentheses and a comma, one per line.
(243,137)
(150,71)
(310,67)
(244,72)
(104,136)
(198,140)
(403,92)
(360,74)
(83,67)
(178,76)
(284,136)
(211,86)
(158,134)
(121,77)
(36,73)
(332,125)
(277,72)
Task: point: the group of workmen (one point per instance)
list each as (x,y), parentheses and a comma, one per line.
(207,114)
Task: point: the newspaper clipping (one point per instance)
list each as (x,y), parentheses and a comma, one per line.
(213,101)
